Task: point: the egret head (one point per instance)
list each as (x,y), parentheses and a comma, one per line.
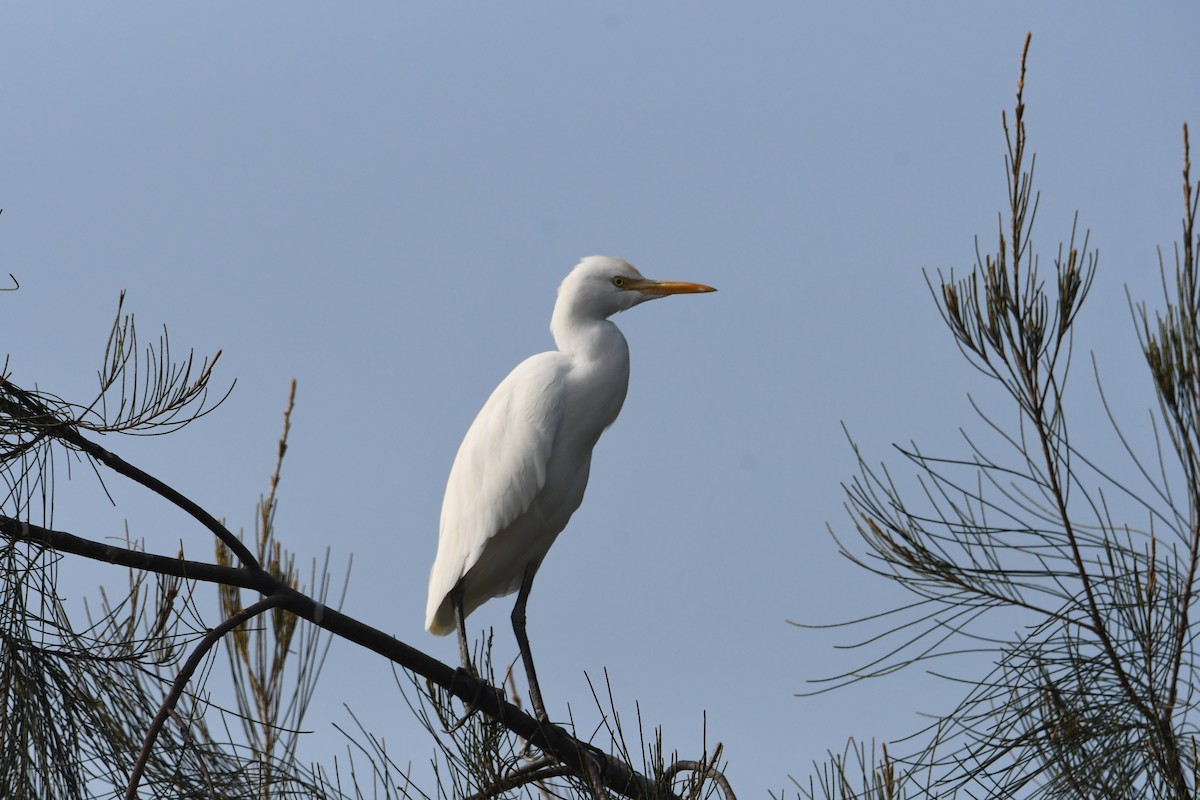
(601,286)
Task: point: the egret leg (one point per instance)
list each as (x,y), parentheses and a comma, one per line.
(464,652)
(518,621)
(460,620)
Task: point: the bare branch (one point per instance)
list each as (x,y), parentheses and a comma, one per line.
(617,776)
(181,681)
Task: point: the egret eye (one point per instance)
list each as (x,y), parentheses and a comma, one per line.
(618,282)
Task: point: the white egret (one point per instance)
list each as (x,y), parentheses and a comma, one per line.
(522,468)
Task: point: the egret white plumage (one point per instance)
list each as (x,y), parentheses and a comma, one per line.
(523,466)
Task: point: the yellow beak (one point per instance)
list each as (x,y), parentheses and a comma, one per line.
(663,288)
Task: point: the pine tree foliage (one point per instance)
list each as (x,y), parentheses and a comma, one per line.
(1093,695)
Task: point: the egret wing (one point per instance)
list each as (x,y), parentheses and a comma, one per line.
(499,470)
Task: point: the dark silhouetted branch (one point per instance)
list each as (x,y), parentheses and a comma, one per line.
(205,645)
(617,776)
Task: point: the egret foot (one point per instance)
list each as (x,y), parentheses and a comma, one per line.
(469,707)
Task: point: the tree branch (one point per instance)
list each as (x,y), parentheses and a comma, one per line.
(66,431)
(206,644)
(616,775)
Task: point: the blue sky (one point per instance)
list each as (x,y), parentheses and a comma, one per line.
(380,200)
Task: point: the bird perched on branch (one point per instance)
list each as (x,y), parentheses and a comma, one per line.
(522,468)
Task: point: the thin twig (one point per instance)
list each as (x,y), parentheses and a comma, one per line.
(181,681)
(706,770)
